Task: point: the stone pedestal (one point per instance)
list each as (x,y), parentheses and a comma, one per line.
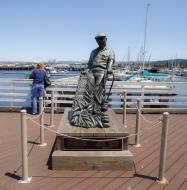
(101,153)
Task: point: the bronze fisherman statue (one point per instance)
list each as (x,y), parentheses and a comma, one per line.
(91,102)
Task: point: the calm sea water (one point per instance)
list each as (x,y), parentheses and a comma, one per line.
(25,74)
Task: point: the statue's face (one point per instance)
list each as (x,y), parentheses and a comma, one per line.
(101,41)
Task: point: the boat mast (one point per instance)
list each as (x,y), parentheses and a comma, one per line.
(149,61)
(128,57)
(145,36)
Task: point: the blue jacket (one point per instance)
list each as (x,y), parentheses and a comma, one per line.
(38,76)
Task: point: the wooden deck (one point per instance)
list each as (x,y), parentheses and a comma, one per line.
(146,159)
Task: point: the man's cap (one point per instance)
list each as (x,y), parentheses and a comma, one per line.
(99,35)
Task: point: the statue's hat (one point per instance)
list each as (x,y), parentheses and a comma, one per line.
(99,35)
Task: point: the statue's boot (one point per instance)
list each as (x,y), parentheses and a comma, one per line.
(105,120)
(106,125)
(104,114)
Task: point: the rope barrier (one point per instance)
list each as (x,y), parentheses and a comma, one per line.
(39,115)
(95,140)
(79,138)
(155,123)
(159,119)
(150,122)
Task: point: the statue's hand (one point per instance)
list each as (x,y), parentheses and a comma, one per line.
(85,71)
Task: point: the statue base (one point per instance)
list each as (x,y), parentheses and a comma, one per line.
(92,148)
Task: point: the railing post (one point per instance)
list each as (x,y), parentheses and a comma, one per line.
(12,89)
(124,108)
(137,130)
(55,105)
(161,178)
(142,91)
(52,109)
(41,112)
(25,177)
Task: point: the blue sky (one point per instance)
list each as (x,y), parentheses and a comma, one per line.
(35,30)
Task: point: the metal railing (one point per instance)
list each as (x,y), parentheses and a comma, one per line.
(17,93)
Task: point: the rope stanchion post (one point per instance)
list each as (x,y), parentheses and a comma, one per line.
(52,109)
(25,177)
(124,108)
(161,178)
(137,129)
(42,140)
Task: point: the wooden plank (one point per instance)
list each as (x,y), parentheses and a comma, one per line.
(14,100)
(141,155)
(76,180)
(165,103)
(153,110)
(15,80)
(158,97)
(44,178)
(14,88)
(148,184)
(145,91)
(15,94)
(98,181)
(183,185)
(127,83)
(151,140)
(150,165)
(175,181)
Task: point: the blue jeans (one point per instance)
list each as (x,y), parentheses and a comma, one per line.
(37,92)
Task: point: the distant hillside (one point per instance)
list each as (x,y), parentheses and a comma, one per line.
(175,61)
(161,63)
(170,63)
